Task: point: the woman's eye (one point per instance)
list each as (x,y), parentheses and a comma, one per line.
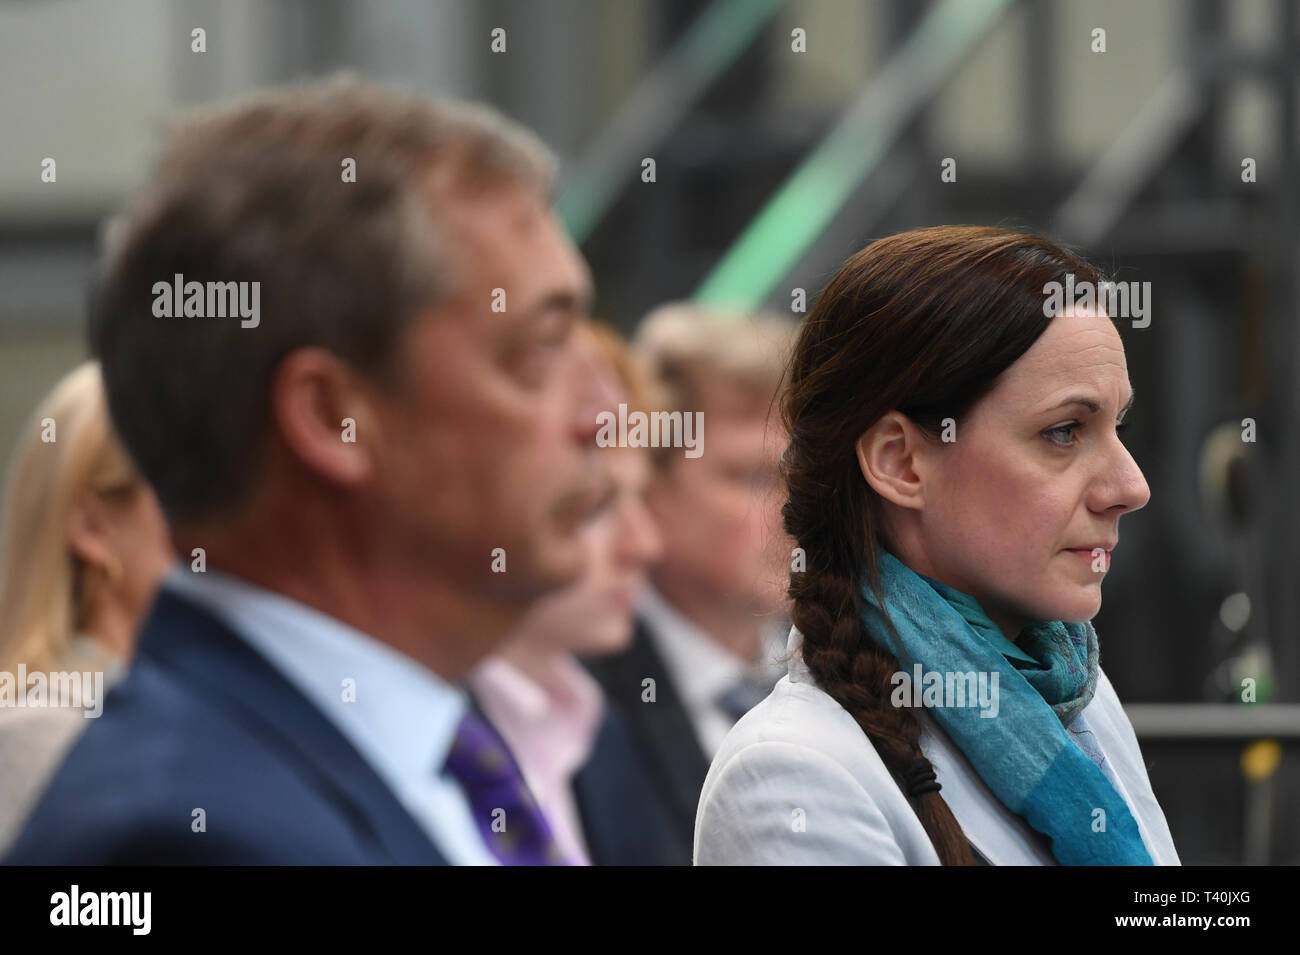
(1067,430)
(1063,435)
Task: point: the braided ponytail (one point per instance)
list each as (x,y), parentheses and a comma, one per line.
(854,670)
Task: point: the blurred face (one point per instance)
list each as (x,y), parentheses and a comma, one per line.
(720,513)
(595,615)
(121,534)
(1036,479)
(490,446)
(140,539)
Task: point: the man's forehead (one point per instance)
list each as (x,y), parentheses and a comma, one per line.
(483,216)
(735,398)
(512,240)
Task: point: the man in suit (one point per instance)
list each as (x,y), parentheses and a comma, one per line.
(710,631)
(336,333)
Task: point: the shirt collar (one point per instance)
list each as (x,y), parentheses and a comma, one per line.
(550,723)
(700,667)
(397,712)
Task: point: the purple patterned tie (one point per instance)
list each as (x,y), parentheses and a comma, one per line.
(508,817)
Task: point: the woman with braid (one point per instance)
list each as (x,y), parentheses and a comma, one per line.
(955,480)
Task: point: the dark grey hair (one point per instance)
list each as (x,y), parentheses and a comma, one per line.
(256,192)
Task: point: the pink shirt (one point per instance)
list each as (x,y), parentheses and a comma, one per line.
(550,726)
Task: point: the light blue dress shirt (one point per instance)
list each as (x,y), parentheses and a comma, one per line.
(399,715)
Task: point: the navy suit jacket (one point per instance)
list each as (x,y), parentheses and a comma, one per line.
(661,732)
(624,818)
(203,721)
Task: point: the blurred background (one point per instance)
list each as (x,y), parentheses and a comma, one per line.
(785,136)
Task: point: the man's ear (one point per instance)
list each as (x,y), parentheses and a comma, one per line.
(891,457)
(325,415)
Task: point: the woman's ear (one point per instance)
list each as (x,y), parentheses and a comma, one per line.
(88,531)
(890,457)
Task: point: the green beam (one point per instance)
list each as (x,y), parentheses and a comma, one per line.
(809,199)
(712,43)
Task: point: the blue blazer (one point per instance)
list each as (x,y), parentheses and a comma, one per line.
(623,819)
(204,722)
(661,734)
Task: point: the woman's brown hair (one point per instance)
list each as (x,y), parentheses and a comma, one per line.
(923,323)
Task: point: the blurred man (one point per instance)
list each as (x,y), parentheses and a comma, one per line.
(336,333)
(710,630)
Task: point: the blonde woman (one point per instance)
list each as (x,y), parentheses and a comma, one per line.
(83,549)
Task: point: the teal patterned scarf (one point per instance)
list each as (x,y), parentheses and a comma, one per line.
(1019,745)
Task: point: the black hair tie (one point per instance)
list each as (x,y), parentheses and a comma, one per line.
(920,777)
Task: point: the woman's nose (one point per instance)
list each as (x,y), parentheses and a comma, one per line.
(1128,490)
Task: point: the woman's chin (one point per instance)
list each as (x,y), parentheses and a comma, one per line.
(1079,604)
(602,636)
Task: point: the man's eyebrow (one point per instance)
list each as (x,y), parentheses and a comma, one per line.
(579,301)
(1093,406)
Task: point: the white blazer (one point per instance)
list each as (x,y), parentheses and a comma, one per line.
(797,782)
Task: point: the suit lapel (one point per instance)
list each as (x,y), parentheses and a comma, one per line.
(204,653)
(672,749)
(623,821)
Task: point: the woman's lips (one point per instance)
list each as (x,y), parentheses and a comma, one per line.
(1091,553)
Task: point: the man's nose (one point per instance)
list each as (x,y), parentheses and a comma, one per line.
(640,542)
